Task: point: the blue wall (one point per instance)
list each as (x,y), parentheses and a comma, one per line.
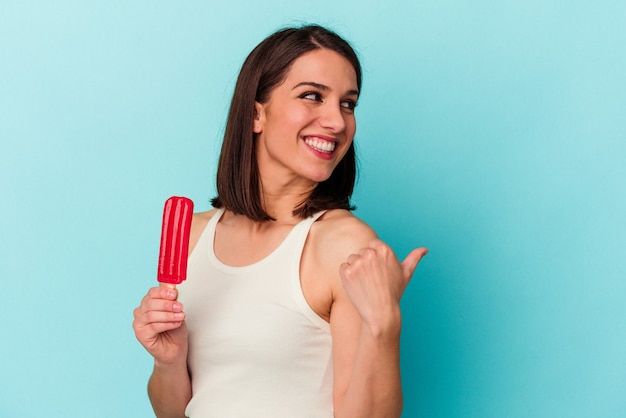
(492,132)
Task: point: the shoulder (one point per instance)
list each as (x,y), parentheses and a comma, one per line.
(198,223)
(342,231)
(332,239)
(336,235)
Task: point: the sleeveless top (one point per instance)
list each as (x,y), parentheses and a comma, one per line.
(256,348)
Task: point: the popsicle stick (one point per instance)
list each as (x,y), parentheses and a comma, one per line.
(170,285)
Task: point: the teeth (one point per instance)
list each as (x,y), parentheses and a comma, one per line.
(319,145)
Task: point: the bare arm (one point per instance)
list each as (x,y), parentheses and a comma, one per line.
(169,389)
(160,327)
(365,324)
(367,378)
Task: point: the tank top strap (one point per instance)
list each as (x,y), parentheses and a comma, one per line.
(306,223)
(212,224)
(297,237)
(302,228)
(205,242)
(293,256)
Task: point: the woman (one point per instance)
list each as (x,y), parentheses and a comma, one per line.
(291,306)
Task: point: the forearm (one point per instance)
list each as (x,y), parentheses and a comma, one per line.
(374,389)
(169,389)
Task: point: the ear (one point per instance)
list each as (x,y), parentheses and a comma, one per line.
(259,118)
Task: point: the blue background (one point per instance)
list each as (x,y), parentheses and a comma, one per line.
(492,132)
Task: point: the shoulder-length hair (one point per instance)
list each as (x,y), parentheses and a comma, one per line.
(238,179)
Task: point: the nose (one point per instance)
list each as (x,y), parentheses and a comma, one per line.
(331,117)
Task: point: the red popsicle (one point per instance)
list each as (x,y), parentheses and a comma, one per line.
(175,231)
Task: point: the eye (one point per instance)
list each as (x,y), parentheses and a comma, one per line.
(311,95)
(348,105)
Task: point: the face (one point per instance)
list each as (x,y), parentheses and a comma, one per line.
(308,124)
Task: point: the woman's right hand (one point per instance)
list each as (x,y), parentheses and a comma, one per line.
(159,324)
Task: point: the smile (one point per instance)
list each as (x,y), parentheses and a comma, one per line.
(320,145)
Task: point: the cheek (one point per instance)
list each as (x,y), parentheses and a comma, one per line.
(289,124)
(299,117)
(350,127)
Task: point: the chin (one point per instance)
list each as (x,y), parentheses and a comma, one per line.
(320,177)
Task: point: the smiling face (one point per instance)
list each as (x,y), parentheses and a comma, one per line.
(307,125)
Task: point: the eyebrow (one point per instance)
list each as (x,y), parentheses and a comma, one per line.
(322,87)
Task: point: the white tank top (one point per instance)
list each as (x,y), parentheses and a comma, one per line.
(256,348)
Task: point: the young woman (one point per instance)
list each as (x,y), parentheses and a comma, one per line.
(291,305)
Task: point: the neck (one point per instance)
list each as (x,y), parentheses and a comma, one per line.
(280,202)
(278,205)
(282,191)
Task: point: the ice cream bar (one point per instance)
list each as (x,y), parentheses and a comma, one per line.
(175,231)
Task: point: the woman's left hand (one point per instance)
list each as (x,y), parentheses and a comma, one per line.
(374,280)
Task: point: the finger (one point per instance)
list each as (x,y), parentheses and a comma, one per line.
(163,292)
(150,331)
(159,317)
(162,305)
(380,248)
(148,326)
(158,293)
(343,268)
(377,244)
(353,258)
(410,262)
(158,310)
(370,252)
(148,318)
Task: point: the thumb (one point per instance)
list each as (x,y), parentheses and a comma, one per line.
(411,260)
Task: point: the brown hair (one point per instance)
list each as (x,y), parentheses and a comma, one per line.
(238,182)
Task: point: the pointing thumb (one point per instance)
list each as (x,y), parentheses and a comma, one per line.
(411,260)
